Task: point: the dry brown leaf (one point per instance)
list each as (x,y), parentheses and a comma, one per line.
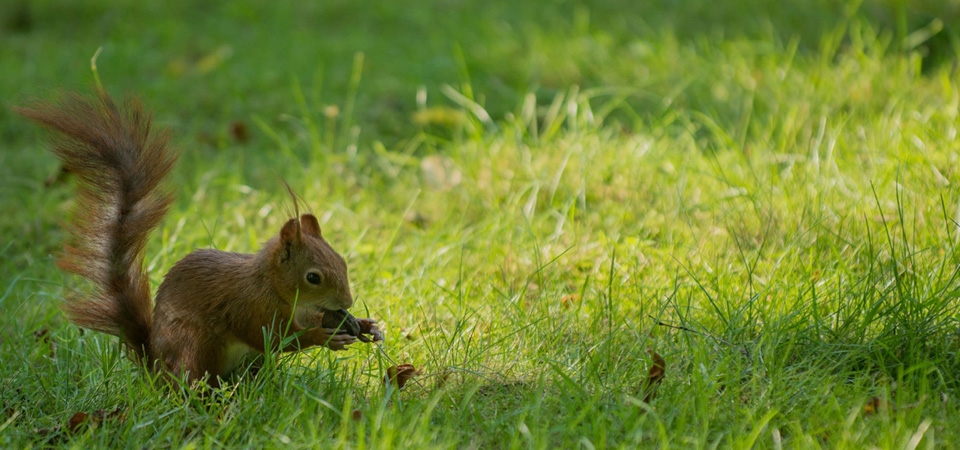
(657,371)
(569,300)
(400,375)
(874,405)
(80,418)
(239,132)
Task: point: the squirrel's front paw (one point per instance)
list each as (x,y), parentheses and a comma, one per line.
(335,339)
(340,320)
(369,332)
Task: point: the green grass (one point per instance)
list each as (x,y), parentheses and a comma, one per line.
(775,186)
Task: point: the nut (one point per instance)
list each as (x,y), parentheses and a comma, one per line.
(341,320)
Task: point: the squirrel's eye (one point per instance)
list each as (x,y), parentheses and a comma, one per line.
(314,278)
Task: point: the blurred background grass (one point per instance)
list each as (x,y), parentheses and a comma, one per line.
(203,65)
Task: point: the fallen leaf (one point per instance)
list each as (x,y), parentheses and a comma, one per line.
(657,371)
(399,375)
(568,300)
(79,418)
(239,132)
(356,415)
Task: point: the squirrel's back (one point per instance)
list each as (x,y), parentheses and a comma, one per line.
(120,166)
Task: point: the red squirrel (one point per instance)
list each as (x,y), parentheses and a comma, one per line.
(213,307)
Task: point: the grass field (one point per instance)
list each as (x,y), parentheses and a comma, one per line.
(536,200)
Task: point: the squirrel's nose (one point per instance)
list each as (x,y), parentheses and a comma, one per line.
(346,301)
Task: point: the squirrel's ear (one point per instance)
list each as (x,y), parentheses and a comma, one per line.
(289,235)
(310,225)
(290,232)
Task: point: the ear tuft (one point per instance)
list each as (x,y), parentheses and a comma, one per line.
(310,225)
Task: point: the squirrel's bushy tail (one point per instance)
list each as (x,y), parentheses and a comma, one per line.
(120,167)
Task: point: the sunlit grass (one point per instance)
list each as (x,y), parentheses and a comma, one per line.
(774,214)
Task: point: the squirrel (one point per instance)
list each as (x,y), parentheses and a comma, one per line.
(213,307)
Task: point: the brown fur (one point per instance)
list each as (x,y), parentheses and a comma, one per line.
(212,306)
